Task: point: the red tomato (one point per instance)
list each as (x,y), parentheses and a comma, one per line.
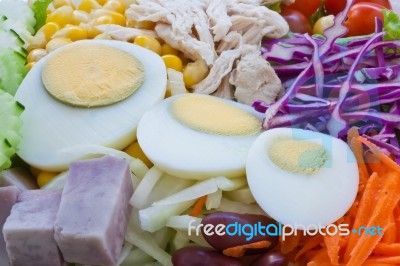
(361,18)
(307,7)
(335,6)
(297,21)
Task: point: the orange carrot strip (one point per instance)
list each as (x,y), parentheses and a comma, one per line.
(365,209)
(392,260)
(309,245)
(239,251)
(381,156)
(374,164)
(198,206)
(332,243)
(390,233)
(387,249)
(368,263)
(291,242)
(357,148)
(396,215)
(321,258)
(389,197)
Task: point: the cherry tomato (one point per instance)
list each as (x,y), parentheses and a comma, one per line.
(297,21)
(361,18)
(306,7)
(335,6)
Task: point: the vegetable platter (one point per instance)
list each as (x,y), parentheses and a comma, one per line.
(172,132)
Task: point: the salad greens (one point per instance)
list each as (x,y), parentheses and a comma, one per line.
(391,25)
(39,8)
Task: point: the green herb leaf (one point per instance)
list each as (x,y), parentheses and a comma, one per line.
(318,14)
(39,8)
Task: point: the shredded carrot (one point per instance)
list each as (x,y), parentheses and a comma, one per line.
(381,156)
(291,242)
(321,258)
(356,146)
(365,208)
(332,243)
(239,251)
(392,260)
(309,245)
(388,198)
(198,206)
(388,249)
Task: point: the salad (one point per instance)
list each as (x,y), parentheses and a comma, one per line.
(151,132)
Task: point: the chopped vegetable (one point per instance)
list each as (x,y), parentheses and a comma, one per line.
(198,206)
(10,111)
(39,8)
(391,25)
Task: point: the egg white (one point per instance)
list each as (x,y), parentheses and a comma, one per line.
(50,126)
(299,199)
(187,153)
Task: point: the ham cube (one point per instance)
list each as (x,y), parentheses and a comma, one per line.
(8,197)
(29,230)
(94,211)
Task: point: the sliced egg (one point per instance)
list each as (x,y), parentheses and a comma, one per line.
(51,127)
(302,178)
(197,136)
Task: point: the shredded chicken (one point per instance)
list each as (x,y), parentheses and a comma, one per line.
(254,78)
(227,35)
(117,32)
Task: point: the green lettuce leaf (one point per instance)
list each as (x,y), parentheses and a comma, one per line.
(39,8)
(391,25)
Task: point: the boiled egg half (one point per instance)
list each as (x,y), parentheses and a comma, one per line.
(302,178)
(90,92)
(198,136)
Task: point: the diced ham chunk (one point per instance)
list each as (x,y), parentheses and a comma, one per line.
(8,197)
(29,230)
(94,210)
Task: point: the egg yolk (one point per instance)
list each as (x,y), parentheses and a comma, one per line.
(298,156)
(92,75)
(213,116)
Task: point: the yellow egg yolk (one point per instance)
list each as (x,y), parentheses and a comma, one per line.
(298,156)
(213,116)
(92,75)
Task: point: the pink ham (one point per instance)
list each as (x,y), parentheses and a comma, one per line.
(8,197)
(29,230)
(94,211)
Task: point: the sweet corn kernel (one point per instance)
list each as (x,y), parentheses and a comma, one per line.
(81,17)
(144,25)
(37,41)
(56,43)
(35,55)
(29,65)
(49,29)
(62,16)
(60,3)
(88,5)
(172,61)
(134,150)
(102,2)
(45,177)
(103,20)
(195,72)
(167,49)
(148,42)
(117,18)
(92,32)
(74,33)
(115,5)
